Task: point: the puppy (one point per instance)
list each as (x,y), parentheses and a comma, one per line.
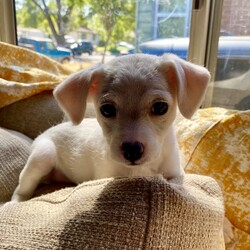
(136,98)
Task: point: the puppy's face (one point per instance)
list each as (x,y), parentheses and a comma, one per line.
(135,108)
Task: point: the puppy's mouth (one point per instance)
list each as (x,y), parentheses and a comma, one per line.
(133,163)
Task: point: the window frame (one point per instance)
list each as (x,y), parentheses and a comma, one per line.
(204,38)
(8,29)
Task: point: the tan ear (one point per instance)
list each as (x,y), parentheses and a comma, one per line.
(190,82)
(72,93)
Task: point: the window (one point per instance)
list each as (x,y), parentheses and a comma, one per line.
(114,28)
(104,23)
(50,45)
(231,71)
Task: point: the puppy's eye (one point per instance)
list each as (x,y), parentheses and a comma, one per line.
(159,108)
(108,110)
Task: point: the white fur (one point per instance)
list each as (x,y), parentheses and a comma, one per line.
(87,149)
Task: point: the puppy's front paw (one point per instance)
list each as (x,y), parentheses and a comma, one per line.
(230,237)
(9,203)
(18,198)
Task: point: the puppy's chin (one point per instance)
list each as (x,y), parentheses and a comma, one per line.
(141,163)
(132,165)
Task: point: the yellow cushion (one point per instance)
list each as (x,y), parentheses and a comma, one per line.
(216,142)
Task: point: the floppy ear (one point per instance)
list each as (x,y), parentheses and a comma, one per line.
(190,82)
(72,93)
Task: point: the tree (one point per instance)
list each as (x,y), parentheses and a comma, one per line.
(110,16)
(57,14)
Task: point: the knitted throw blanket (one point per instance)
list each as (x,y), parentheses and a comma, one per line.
(137,213)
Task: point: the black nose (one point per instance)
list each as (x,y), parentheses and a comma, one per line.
(132,151)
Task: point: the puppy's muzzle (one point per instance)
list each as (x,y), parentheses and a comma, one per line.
(132,151)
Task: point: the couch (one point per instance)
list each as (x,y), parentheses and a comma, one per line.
(121,213)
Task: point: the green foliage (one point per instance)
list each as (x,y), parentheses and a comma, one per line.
(112,20)
(28,16)
(172,28)
(35,13)
(172,5)
(116,17)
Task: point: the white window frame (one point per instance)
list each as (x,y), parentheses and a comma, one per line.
(204,38)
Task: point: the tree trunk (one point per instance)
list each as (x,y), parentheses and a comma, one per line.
(59,37)
(106,44)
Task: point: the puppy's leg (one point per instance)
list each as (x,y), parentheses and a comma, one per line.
(40,163)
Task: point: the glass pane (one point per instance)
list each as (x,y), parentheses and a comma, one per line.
(160,25)
(94,28)
(232,78)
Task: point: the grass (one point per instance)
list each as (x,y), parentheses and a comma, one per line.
(77,66)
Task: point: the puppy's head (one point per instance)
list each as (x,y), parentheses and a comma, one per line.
(136,97)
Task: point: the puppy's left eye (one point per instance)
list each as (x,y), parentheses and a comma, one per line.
(108,110)
(159,108)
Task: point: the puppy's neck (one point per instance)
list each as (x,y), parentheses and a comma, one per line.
(169,162)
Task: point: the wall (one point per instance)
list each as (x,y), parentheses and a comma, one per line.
(236,17)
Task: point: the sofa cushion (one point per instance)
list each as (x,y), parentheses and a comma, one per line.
(34,115)
(132,213)
(14,152)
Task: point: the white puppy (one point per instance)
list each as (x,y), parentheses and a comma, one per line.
(136,98)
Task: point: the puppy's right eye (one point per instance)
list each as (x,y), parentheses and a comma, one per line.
(159,108)
(108,110)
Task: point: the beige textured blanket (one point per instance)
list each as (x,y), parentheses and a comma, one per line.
(136,213)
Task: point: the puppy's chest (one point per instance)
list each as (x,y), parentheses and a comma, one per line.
(94,167)
(80,167)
